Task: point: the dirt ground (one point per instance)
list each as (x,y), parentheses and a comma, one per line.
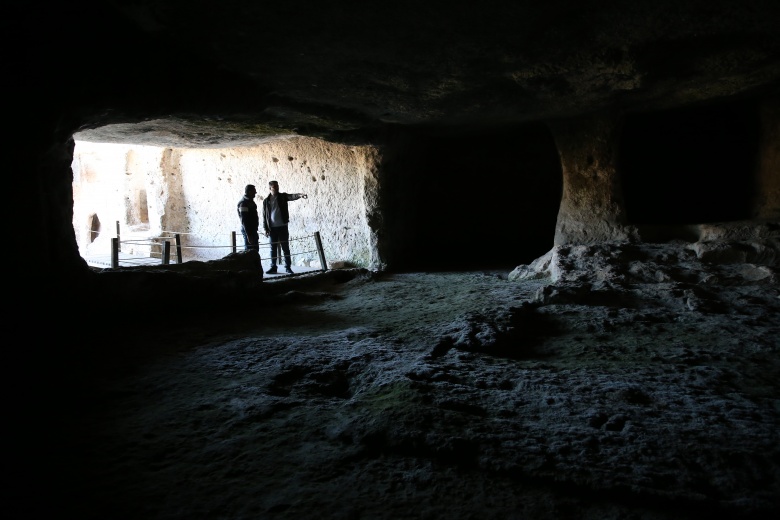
(614,382)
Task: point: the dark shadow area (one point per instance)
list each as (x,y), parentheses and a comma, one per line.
(478,198)
(690,166)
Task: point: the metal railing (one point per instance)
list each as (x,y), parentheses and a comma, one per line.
(160,247)
(277,246)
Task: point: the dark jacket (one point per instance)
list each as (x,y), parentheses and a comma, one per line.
(247,214)
(281,200)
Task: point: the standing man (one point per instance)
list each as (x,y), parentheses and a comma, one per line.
(250,222)
(275,219)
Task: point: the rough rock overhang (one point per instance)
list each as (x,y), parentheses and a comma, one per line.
(315,68)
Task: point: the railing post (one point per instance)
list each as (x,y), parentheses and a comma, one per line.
(320,251)
(166,257)
(119,243)
(233,240)
(177,237)
(114,253)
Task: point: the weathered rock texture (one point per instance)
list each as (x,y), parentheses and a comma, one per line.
(592,205)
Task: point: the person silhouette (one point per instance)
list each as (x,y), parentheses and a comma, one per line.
(275,219)
(250,221)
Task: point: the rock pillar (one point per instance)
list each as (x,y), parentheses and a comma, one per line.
(591,209)
(372,194)
(767,202)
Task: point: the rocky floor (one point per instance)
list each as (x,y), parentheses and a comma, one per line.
(606,382)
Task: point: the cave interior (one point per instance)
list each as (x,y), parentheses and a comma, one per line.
(491,134)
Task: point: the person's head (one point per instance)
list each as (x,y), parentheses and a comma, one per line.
(274,187)
(250,190)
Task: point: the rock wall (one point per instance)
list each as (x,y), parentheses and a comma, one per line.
(98,175)
(122,184)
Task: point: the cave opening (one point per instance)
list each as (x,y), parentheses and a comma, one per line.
(690,166)
(155,190)
(477,198)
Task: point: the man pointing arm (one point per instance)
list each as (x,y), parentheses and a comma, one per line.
(275,219)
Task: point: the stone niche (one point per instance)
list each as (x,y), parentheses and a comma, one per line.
(150,193)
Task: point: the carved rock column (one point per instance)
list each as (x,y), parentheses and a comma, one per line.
(767,203)
(592,207)
(372,195)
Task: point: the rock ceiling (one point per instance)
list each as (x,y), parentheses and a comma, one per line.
(246,70)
